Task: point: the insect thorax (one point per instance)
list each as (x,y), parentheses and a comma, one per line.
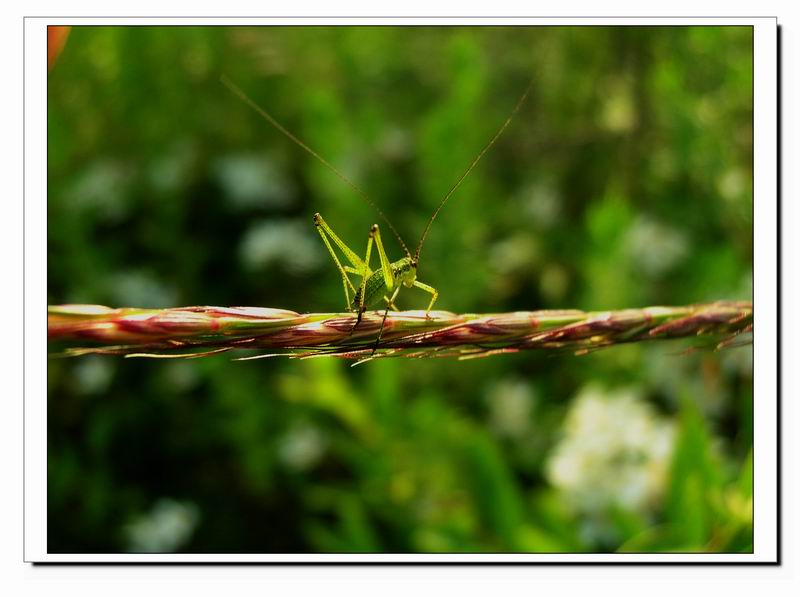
(404,272)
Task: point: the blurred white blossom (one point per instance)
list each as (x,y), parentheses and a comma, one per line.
(302,447)
(733,185)
(139,288)
(654,247)
(93,375)
(394,144)
(254,180)
(287,242)
(102,188)
(541,203)
(615,451)
(518,252)
(167,527)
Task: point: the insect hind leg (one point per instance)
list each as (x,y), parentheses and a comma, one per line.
(364,275)
(323,230)
(390,302)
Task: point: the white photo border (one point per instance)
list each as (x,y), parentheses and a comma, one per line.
(766,448)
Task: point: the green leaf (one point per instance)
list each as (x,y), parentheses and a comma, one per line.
(494,490)
(694,479)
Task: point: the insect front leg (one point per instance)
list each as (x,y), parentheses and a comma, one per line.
(432,291)
(324,231)
(390,301)
(345,280)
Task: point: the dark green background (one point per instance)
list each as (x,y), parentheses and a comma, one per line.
(624,181)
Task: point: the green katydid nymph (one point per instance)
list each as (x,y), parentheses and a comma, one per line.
(385,283)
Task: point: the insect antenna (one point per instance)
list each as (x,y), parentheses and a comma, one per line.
(266,116)
(474,163)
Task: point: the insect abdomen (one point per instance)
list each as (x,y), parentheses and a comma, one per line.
(375,287)
(374,290)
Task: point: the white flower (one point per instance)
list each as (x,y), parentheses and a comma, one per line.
(168,526)
(288,242)
(254,181)
(615,452)
(93,375)
(302,447)
(655,248)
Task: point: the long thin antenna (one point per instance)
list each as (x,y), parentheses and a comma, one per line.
(520,101)
(246,99)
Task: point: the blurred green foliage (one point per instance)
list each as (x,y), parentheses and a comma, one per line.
(624,181)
